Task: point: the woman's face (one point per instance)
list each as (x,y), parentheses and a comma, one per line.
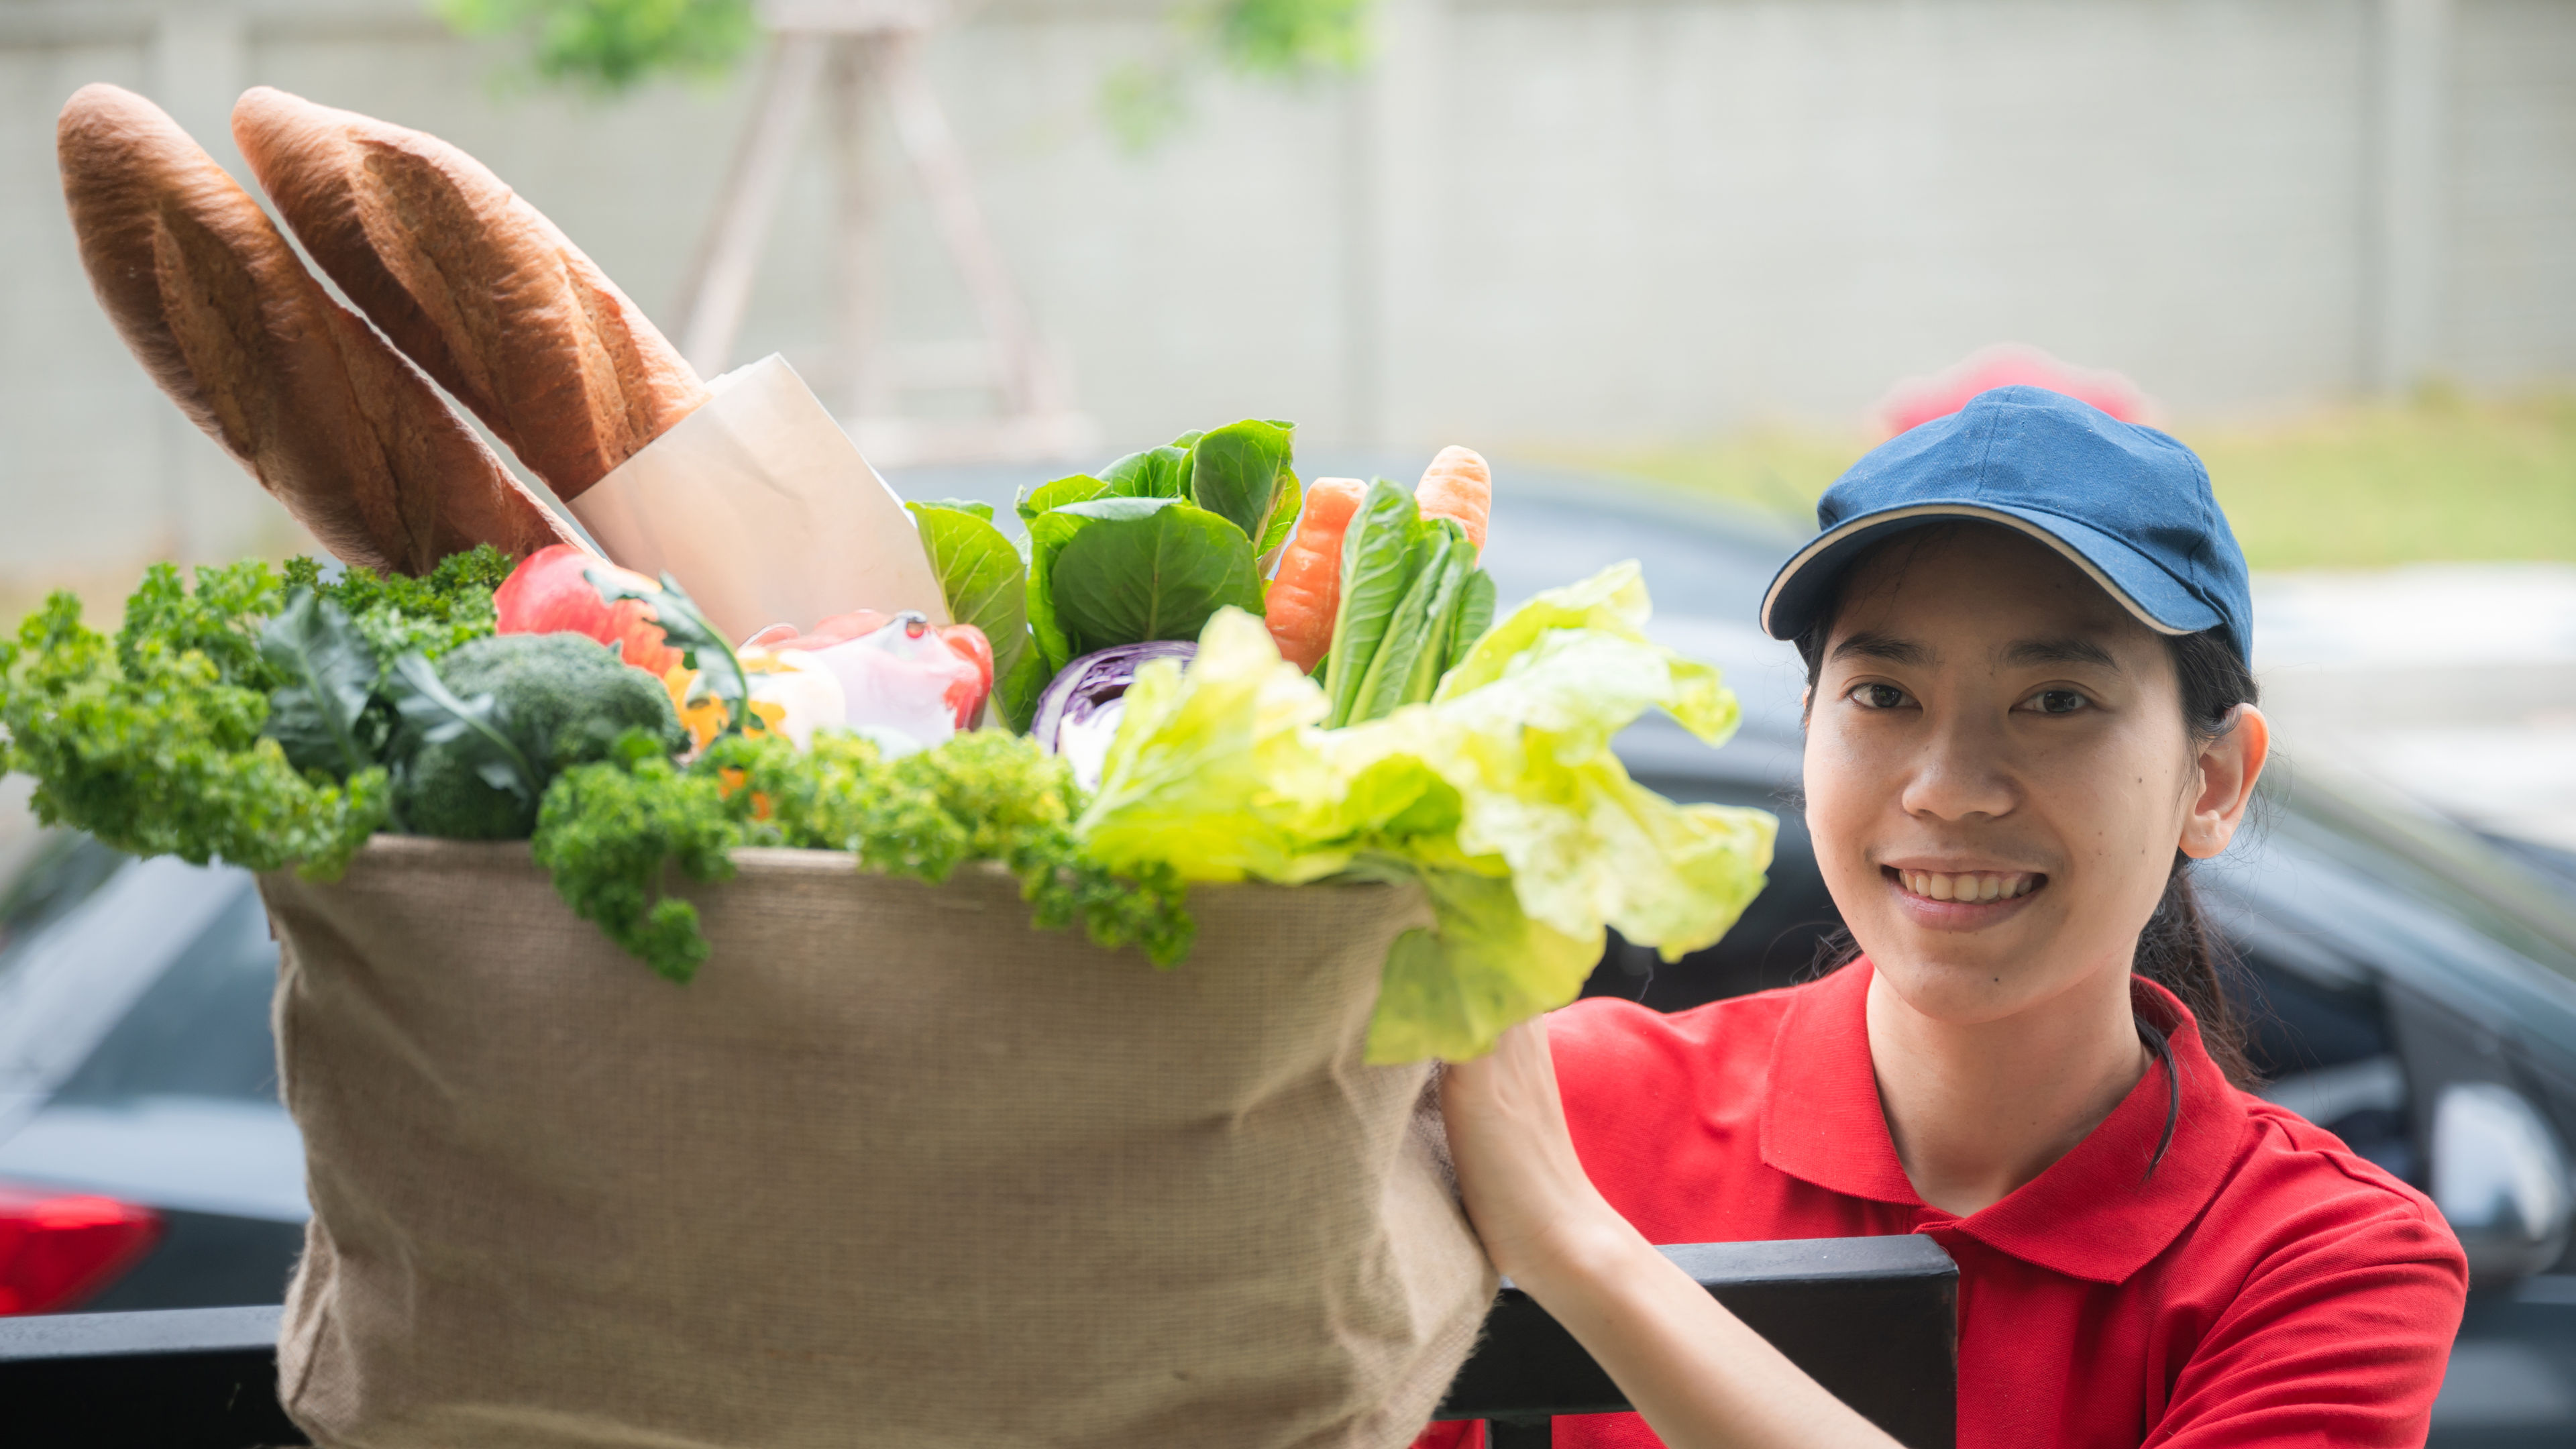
(1998,774)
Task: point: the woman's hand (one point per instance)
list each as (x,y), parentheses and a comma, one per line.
(1525,1190)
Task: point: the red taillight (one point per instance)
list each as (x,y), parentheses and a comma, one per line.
(57,1248)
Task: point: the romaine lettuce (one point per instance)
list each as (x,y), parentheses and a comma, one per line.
(1501,796)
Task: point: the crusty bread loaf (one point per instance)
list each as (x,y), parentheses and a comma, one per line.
(473,283)
(212,299)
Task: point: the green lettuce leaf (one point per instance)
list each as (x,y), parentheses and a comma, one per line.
(1283,519)
(1126,570)
(1377,551)
(1503,798)
(1080,488)
(1439,646)
(1153,473)
(1236,472)
(1207,769)
(1475,616)
(1486,967)
(1611,602)
(1411,625)
(986,583)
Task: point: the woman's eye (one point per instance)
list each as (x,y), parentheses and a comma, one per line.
(2058,701)
(1877,696)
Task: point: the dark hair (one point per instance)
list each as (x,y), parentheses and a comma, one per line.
(2176,950)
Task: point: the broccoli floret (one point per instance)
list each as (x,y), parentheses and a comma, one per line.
(561,698)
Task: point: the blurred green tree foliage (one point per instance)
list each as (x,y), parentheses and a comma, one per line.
(1146,100)
(610,46)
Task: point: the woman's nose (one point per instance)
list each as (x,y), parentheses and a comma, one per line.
(1959,771)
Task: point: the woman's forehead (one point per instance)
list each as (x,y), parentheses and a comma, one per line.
(1979,579)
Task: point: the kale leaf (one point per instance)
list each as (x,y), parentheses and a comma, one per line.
(319,714)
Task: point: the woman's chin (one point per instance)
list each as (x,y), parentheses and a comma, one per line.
(1959,989)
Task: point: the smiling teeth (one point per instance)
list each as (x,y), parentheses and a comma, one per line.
(1970,886)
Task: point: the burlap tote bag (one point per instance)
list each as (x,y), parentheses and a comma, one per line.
(896,1169)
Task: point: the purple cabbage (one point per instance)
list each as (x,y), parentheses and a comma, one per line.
(1082,703)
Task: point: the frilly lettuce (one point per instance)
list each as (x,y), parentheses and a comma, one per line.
(1501,796)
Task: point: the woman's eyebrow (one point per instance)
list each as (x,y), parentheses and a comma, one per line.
(1886,648)
(2066,650)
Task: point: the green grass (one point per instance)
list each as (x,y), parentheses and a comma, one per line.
(2440,477)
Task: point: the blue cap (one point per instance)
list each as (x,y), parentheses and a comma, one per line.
(2128,505)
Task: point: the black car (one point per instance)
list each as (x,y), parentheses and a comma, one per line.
(2412,986)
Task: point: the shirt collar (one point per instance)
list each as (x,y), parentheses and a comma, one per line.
(2096,1213)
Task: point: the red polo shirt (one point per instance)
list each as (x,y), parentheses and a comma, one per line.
(2263,1286)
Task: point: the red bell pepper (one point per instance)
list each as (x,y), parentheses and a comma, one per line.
(548,594)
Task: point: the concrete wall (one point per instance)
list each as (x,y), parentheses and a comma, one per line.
(1532,220)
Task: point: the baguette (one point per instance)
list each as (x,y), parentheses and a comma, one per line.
(216,306)
(473,284)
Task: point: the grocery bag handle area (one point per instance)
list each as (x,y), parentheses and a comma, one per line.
(1875,1320)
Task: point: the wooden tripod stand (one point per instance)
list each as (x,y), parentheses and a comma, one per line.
(843,49)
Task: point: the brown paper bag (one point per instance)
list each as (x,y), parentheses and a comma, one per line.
(896,1169)
(763,509)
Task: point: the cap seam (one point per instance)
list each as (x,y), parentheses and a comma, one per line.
(1987,425)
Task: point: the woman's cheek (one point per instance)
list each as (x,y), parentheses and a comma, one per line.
(2115,809)
(1850,800)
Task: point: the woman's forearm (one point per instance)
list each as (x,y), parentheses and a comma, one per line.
(1699,1376)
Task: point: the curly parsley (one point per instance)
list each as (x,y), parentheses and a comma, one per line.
(608,830)
(149,745)
(155,742)
(397,614)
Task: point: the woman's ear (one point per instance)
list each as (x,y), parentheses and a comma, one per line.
(2229,766)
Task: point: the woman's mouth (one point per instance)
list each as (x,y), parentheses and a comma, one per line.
(1962,900)
(1974,886)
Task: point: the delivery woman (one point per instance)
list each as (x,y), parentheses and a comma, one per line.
(2029,709)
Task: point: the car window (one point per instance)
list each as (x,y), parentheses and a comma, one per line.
(1696,570)
(2322,902)
(2372,845)
(201,1029)
(66,870)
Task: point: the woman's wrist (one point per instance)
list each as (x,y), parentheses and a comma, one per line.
(1583,1244)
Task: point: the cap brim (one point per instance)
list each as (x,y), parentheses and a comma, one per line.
(2156,598)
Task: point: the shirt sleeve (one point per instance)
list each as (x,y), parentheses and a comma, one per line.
(2339,1338)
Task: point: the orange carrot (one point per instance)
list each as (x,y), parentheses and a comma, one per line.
(1307,591)
(1458,485)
